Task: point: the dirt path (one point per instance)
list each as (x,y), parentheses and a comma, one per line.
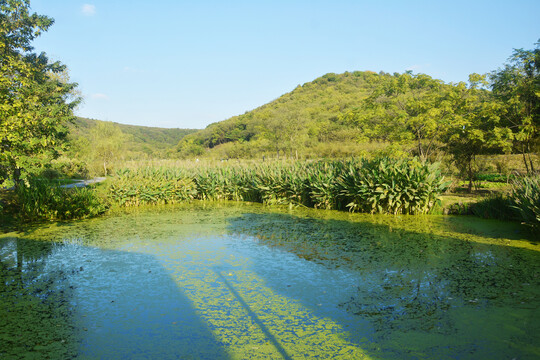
(83,183)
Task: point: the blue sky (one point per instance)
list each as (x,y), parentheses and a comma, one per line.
(186,64)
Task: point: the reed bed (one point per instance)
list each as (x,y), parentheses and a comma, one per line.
(381,185)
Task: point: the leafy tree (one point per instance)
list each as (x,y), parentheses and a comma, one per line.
(475,127)
(36,102)
(190,148)
(106,140)
(405,107)
(273,130)
(518,86)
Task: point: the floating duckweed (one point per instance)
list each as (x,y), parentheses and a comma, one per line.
(223,281)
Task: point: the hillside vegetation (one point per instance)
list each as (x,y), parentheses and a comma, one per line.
(308,120)
(94,145)
(366,113)
(153,141)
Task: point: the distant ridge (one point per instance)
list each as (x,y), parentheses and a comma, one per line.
(149,140)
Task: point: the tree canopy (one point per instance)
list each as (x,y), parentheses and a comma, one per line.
(36,102)
(517,85)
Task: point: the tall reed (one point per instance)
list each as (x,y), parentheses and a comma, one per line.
(377,186)
(150,186)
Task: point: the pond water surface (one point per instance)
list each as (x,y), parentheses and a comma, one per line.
(243,281)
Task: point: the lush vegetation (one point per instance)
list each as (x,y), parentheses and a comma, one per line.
(346,114)
(526,199)
(376,186)
(398,123)
(134,141)
(40,199)
(36,97)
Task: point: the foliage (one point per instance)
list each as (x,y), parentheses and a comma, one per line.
(295,123)
(497,206)
(150,186)
(190,148)
(526,198)
(392,186)
(106,141)
(404,107)
(139,141)
(71,168)
(40,199)
(36,102)
(517,85)
(475,126)
(414,112)
(500,177)
(98,146)
(377,186)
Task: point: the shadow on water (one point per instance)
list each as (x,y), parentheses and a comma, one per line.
(214,281)
(65,300)
(254,317)
(426,295)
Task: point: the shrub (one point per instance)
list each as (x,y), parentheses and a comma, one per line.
(392,186)
(50,174)
(40,199)
(496,206)
(525,196)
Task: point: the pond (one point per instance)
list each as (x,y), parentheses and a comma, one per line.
(244,281)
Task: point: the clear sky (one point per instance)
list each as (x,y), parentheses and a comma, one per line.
(186,64)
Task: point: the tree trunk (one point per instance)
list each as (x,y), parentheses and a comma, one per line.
(525,160)
(17,176)
(470,173)
(530,158)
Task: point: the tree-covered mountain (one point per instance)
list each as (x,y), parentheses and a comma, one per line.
(303,120)
(351,113)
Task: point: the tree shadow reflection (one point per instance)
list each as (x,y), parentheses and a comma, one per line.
(254,317)
(65,300)
(423,293)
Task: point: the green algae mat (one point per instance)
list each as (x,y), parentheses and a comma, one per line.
(243,281)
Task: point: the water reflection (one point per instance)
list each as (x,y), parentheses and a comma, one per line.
(218,281)
(428,294)
(65,300)
(36,316)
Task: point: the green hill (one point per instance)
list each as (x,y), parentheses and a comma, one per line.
(152,141)
(308,120)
